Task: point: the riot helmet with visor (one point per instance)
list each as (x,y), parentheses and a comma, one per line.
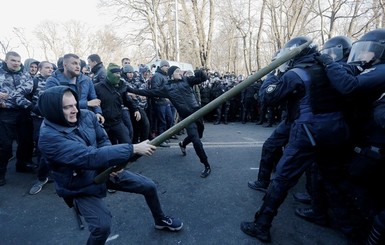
(369,49)
(338,48)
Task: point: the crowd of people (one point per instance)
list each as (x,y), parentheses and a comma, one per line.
(79,118)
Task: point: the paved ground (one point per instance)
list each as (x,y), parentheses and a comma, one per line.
(212,209)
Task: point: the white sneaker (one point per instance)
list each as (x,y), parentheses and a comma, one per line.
(38,186)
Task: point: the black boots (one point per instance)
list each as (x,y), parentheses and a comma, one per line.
(206,172)
(308,214)
(258,185)
(260,228)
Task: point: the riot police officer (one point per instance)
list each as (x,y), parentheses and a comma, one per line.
(338,48)
(364,88)
(314,108)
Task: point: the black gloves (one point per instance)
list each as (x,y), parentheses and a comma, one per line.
(201,74)
(324,59)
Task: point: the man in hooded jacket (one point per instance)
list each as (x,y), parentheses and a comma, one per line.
(77,149)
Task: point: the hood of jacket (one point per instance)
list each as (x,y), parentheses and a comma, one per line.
(51,105)
(28,62)
(159,70)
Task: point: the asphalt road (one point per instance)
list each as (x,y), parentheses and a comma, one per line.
(211,209)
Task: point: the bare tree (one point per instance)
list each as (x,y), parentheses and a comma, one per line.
(108,45)
(259,36)
(236,35)
(24,41)
(50,40)
(351,18)
(146,21)
(5,46)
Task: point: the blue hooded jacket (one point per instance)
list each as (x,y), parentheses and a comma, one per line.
(78,152)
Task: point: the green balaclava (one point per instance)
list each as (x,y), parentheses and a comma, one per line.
(112,77)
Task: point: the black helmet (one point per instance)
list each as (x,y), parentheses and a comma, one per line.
(296,42)
(369,49)
(338,48)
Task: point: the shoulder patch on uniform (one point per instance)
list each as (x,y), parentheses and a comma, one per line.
(368,70)
(271,88)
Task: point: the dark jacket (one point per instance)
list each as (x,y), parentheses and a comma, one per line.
(38,89)
(84,87)
(99,73)
(295,88)
(76,153)
(158,80)
(180,93)
(112,101)
(362,90)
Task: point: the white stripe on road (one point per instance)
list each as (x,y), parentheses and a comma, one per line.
(233,144)
(111,238)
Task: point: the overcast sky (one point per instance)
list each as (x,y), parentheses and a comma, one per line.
(28,13)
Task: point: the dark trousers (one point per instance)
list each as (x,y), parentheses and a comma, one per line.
(223,109)
(15,125)
(127,122)
(118,133)
(299,154)
(164,116)
(43,170)
(272,151)
(249,109)
(194,135)
(141,127)
(96,213)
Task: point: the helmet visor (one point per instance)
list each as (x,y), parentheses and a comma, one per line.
(365,52)
(336,52)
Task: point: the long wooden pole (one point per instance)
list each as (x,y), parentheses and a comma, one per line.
(209,107)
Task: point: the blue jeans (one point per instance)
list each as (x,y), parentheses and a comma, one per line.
(164,116)
(96,213)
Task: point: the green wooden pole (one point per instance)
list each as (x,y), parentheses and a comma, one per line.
(209,107)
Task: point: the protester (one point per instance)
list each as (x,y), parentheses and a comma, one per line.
(45,69)
(113,96)
(162,106)
(77,149)
(69,74)
(179,91)
(31,66)
(98,71)
(140,123)
(15,119)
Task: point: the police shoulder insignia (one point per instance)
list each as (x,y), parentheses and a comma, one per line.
(368,70)
(271,88)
